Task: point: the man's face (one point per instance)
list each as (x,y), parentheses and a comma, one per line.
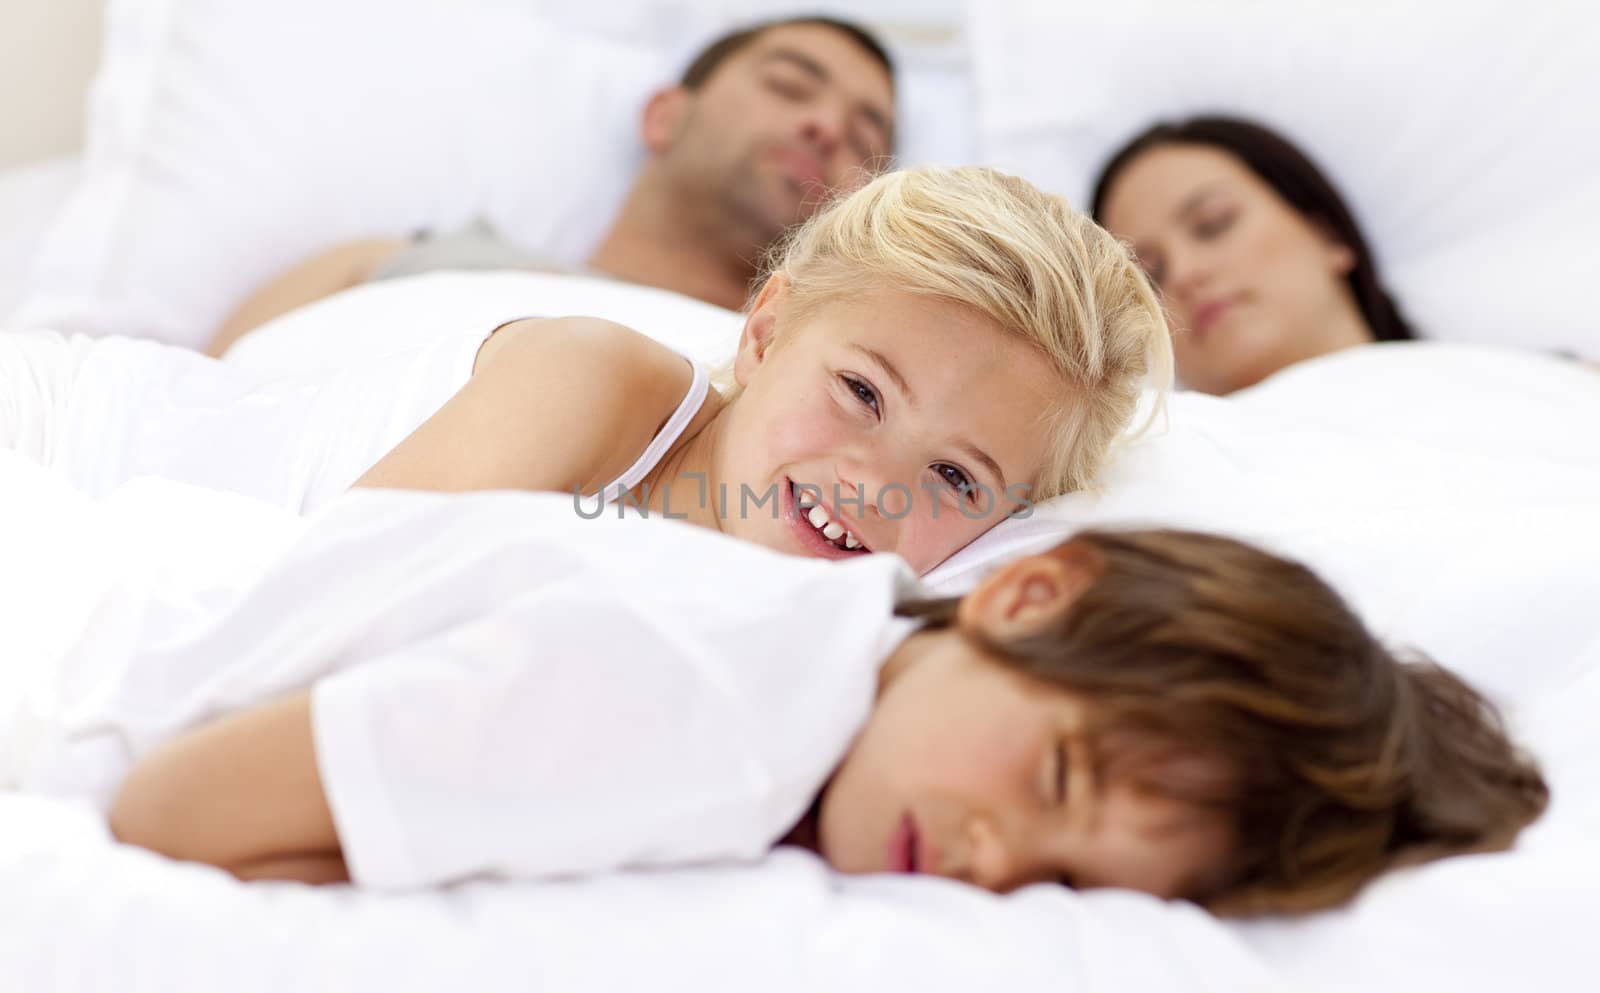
(800,112)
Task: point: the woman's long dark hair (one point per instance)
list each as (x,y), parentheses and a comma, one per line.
(1296,179)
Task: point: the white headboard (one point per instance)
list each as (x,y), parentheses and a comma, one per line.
(51,49)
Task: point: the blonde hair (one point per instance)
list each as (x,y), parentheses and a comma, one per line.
(1022,258)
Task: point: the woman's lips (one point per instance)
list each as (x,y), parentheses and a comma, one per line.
(1208,314)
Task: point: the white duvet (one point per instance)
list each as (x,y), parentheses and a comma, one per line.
(1496,576)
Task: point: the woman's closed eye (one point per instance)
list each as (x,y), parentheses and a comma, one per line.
(1211,225)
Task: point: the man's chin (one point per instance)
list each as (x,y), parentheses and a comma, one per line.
(769,209)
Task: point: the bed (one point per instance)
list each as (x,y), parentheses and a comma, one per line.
(1470,531)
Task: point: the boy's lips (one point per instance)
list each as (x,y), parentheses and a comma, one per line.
(905,847)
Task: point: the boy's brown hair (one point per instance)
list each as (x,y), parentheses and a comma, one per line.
(1345,760)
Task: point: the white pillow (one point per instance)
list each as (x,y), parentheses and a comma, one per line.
(349,328)
(1460,134)
(229,139)
(1447,490)
(30,195)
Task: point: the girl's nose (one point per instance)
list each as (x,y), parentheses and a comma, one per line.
(878,483)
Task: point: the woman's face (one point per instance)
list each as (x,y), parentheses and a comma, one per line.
(1250,285)
(972,771)
(890,422)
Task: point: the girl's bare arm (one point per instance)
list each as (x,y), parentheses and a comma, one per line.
(551,405)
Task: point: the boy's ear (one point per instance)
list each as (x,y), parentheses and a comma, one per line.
(1020,599)
(663,118)
(760,328)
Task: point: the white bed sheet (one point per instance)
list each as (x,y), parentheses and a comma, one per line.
(80,914)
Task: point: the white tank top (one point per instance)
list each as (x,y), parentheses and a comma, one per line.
(665,438)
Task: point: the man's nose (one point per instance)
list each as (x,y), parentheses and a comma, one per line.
(823,127)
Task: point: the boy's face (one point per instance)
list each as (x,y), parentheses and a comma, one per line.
(974,772)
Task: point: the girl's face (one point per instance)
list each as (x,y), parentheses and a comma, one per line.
(1250,284)
(972,771)
(890,422)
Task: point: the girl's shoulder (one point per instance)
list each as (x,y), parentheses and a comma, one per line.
(614,359)
(600,390)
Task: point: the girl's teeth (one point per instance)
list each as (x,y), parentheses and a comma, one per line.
(806,499)
(830,528)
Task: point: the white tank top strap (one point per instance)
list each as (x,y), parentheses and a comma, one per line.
(699,385)
(665,438)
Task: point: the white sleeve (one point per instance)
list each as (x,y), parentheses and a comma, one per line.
(562,733)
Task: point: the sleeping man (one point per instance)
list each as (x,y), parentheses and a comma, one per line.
(762,126)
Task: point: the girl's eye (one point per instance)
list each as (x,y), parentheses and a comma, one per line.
(866,394)
(957,480)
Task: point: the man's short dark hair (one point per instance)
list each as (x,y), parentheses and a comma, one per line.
(720,50)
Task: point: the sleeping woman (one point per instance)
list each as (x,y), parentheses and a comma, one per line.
(931,353)
(543,696)
(1259,261)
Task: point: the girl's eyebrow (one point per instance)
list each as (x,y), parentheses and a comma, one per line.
(983,457)
(888,370)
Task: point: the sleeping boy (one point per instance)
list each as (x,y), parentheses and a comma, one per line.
(430,688)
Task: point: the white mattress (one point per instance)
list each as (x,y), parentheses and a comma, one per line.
(30,195)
